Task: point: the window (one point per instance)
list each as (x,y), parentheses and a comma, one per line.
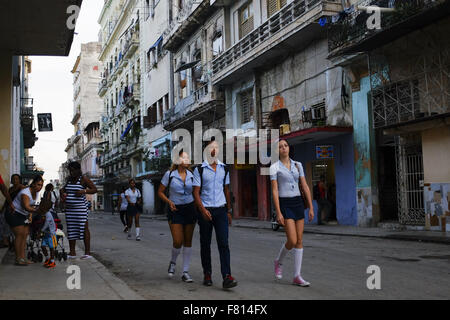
(273,6)
(160,109)
(245,20)
(217,44)
(152,117)
(246,105)
(147,9)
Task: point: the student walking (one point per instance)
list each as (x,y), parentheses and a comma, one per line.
(73,195)
(134,199)
(178,181)
(122,207)
(288,182)
(212,197)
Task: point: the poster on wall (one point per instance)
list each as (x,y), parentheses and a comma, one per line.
(45,122)
(324,152)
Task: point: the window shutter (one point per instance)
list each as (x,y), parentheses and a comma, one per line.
(246,27)
(272,7)
(246,106)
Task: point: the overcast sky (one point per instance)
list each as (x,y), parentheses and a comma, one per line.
(51,87)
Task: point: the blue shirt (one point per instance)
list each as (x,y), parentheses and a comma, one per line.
(179,192)
(212,194)
(287,179)
(49,227)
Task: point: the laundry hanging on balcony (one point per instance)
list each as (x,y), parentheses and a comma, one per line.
(130,125)
(155,45)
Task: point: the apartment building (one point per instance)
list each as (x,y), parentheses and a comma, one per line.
(23,36)
(401,108)
(120,90)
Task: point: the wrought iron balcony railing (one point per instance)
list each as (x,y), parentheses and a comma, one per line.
(288,15)
(351,28)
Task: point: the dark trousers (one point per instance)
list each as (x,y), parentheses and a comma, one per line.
(220,224)
(123,215)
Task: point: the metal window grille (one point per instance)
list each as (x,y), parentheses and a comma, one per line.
(246,106)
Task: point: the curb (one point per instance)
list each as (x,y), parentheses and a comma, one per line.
(119,287)
(404,237)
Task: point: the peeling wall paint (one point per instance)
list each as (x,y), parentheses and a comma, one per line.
(364,157)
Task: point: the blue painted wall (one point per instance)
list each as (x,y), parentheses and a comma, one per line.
(346,212)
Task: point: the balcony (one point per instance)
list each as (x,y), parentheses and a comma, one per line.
(189,19)
(132,96)
(350,34)
(202,105)
(409,101)
(76,116)
(102,87)
(294,26)
(131,45)
(26,116)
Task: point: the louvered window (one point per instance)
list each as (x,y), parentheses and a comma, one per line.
(273,6)
(245,20)
(246,101)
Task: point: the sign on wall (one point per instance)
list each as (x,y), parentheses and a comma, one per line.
(45,122)
(324,152)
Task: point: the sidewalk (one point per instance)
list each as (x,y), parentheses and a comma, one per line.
(36,282)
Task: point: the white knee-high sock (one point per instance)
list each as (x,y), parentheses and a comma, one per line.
(282,254)
(138,231)
(298,256)
(175,253)
(186,258)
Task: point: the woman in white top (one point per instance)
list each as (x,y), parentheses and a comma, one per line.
(122,207)
(24,204)
(288,179)
(134,199)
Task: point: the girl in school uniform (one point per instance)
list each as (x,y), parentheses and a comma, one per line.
(177,184)
(288,180)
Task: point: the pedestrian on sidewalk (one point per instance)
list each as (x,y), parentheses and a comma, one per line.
(178,183)
(290,193)
(212,197)
(8,206)
(134,199)
(122,208)
(21,219)
(73,195)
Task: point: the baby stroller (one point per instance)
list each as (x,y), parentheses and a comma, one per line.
(34,240)
(60,252)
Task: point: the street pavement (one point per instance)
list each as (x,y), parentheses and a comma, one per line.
(335,264)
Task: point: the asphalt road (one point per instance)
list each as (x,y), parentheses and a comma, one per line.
(336,266)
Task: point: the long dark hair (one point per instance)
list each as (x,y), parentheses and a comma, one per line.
(36,179)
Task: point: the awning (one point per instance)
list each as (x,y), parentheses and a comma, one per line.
(156,44)
(130,124)
(187,66)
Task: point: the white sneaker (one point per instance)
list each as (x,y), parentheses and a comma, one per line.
(186,277)
(138,238)
(171,270)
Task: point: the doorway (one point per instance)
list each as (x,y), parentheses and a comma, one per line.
(325,195)
(249,194)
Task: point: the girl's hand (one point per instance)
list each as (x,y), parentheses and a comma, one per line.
(172,206)
(311,214)
(280,219)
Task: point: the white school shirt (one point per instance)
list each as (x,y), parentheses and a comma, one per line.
(287,179)
(133,195)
